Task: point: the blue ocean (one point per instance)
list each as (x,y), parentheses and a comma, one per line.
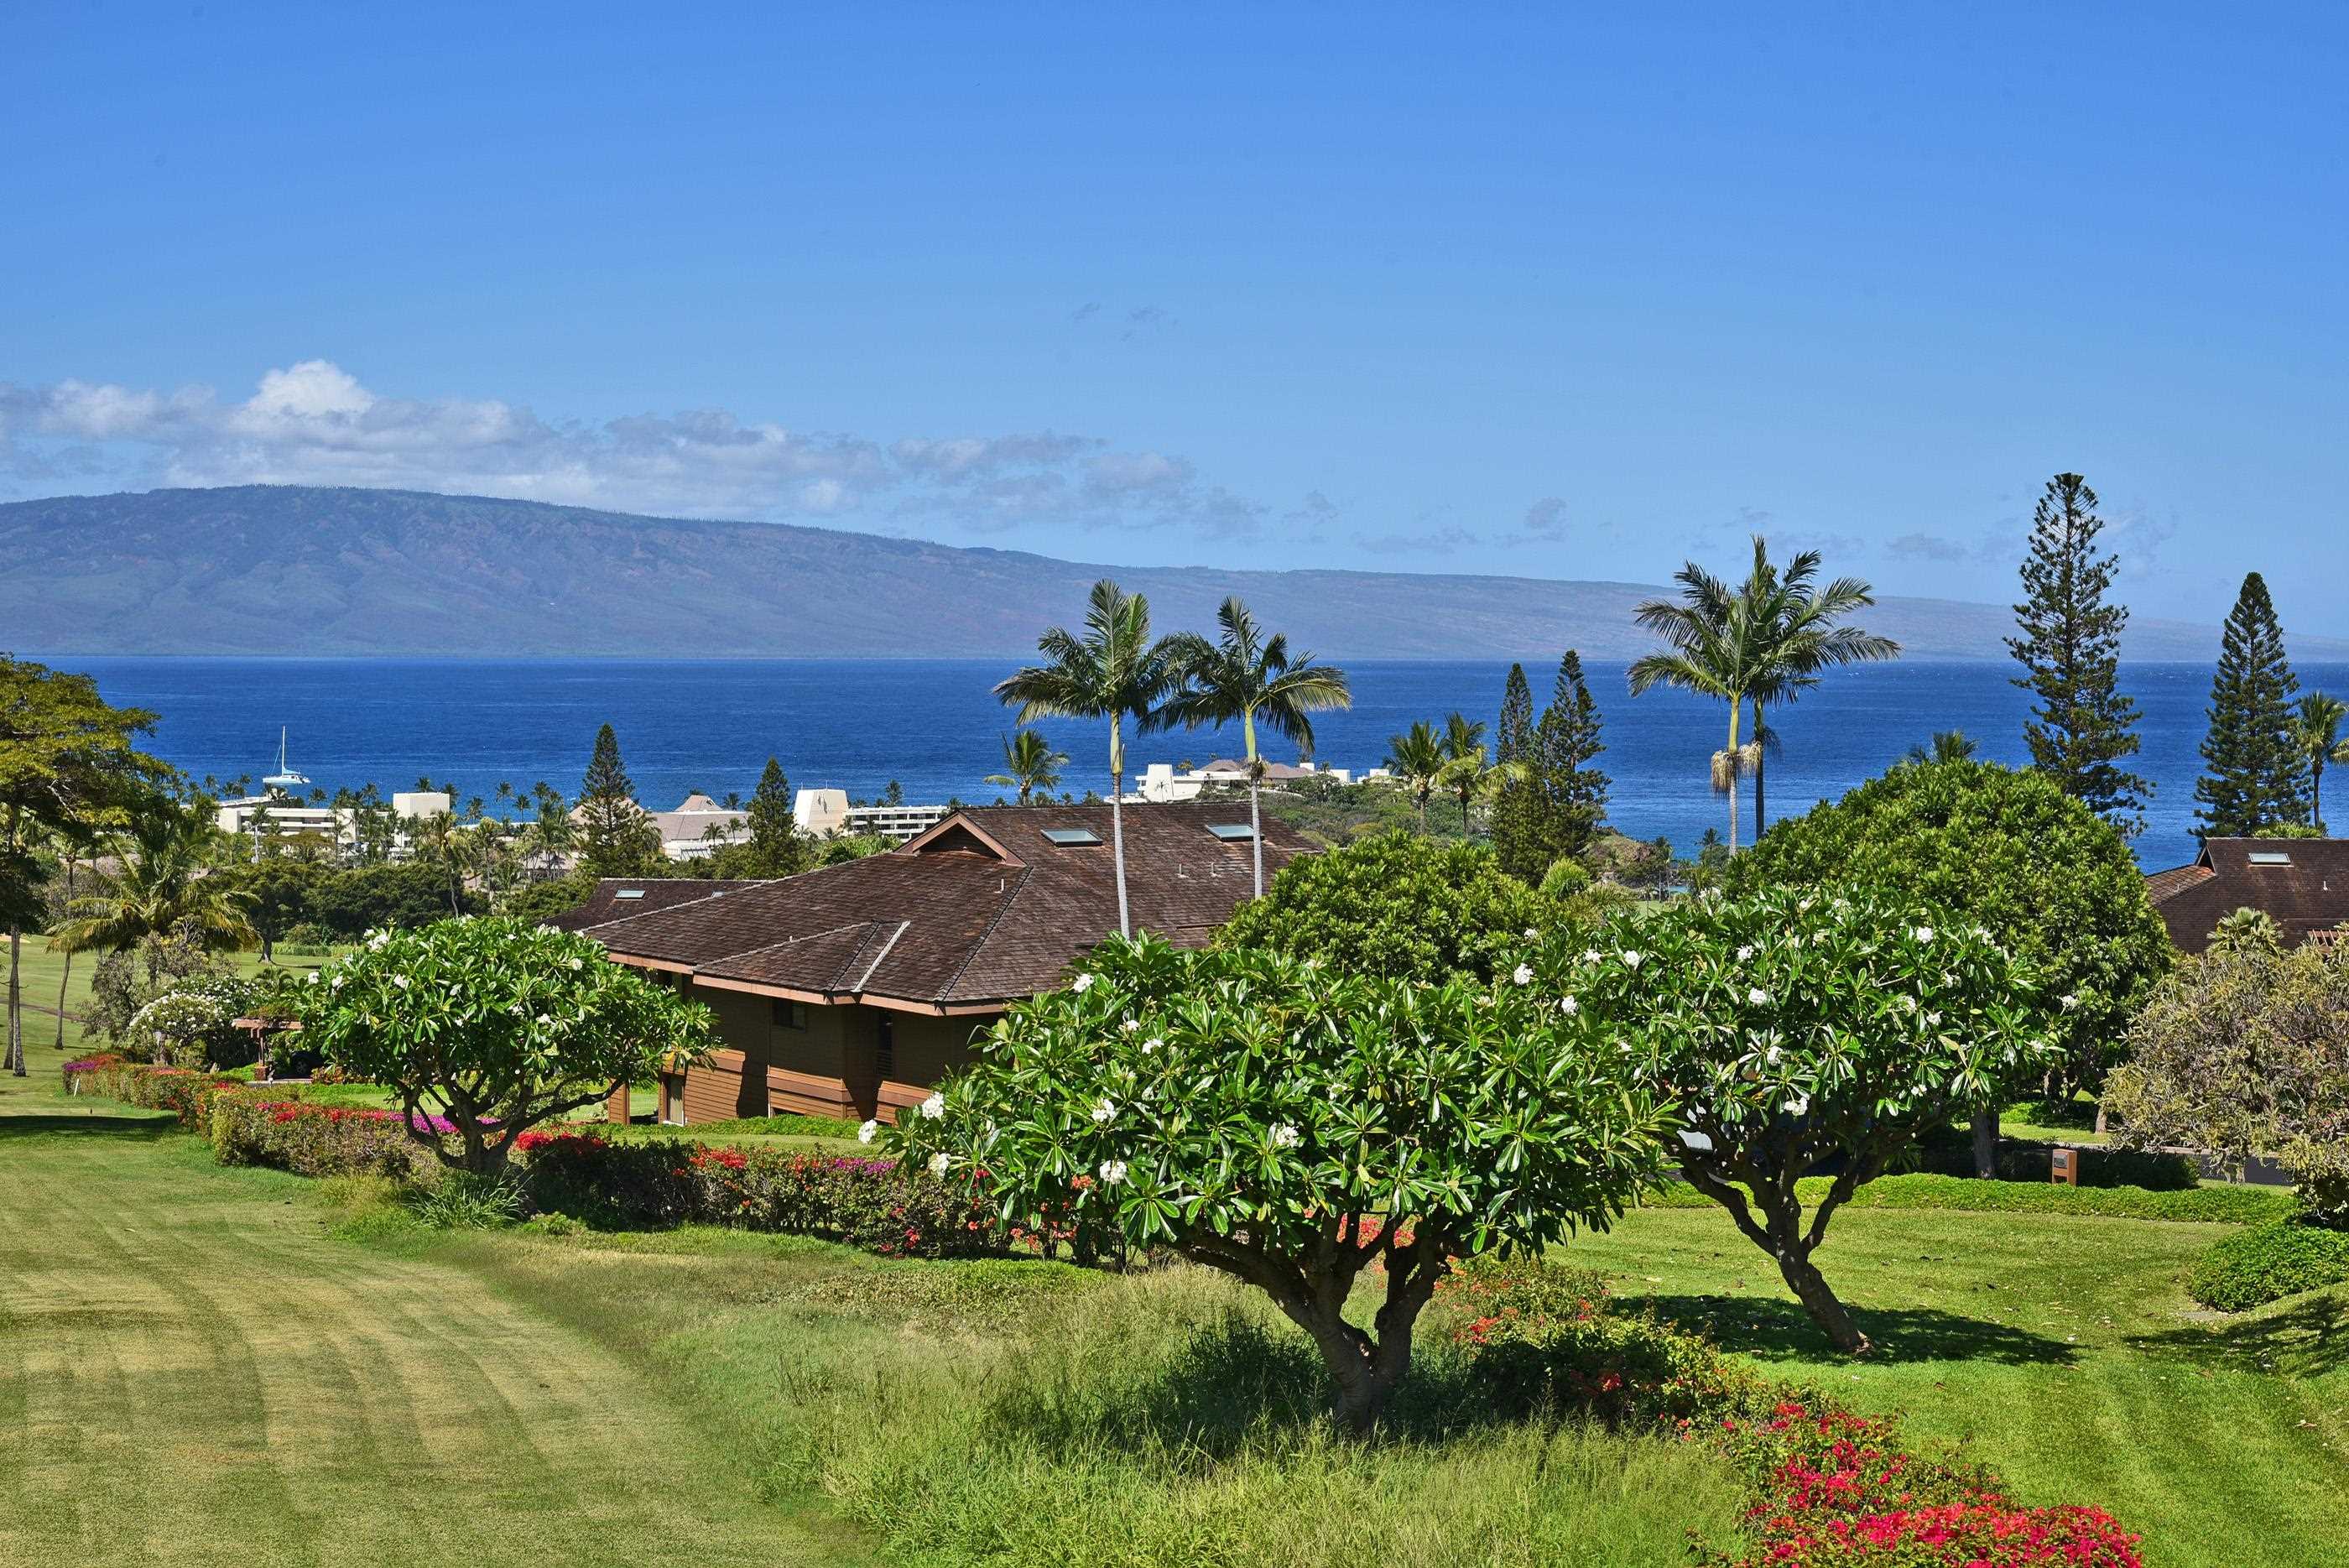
(933,726)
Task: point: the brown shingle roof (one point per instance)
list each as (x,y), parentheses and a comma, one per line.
(652,893)
(981,908)
(2307,893)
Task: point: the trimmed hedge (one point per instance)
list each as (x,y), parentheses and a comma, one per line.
(2267,1262)
(186,1094)
(2212,1205)
(258,1127)
(872,1204)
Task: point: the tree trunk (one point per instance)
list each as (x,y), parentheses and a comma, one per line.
(1117,819)
(65,970)
(1810,1288)
(1986,1143)
(1761,764)
(1256,821)
(16,1014)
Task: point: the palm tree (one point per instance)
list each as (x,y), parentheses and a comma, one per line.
(1709,649)
(1247,676)
(1797,638)
(1030,765)
(2318,726)
(1416,757)
(1945,746)
(1468,769)
(163,888)
(1113,670)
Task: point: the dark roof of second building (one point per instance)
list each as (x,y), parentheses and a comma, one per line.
(2302,884)
(618,897)
(993,902)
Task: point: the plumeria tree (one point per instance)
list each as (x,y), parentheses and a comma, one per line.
(1294,1127)
(486,1027)
(1798,1029)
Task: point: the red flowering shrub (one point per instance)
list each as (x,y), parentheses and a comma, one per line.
(257,1128)
(186,1095)
(868,1203)
(1829,1487)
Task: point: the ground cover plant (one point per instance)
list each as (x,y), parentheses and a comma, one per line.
(1797,1028)
(2266,1262)
(1300,1129)
(494,1025)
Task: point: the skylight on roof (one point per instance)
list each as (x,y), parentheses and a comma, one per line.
(1071,837)
(628,893)
(1240,831)
(2270,857)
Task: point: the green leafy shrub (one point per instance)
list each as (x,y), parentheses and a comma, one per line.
(2267,1262)
(2054,883)
(1294,1124)
(2246,1053)
(461,1201)
(1397,905)
(1566,877)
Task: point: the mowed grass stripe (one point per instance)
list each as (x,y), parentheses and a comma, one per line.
(195,1375)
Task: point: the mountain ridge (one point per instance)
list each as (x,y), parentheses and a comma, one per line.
(281,569)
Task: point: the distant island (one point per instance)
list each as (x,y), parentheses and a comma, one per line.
(283,569)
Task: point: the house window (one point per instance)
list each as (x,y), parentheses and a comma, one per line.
(790,1014)
(884,1053)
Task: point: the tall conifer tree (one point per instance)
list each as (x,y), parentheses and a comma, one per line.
(2256,775)
(1520,834)
(2082,726)
(1568,742)
(617,836)
(775,848)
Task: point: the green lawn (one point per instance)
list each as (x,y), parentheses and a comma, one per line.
(2065,1349)
(192,1371)
(197,1372)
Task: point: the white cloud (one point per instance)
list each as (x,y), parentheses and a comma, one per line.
(315,423)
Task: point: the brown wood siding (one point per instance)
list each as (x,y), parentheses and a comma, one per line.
(809,1093)
(720,1091)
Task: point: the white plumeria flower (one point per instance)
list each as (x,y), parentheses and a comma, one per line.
(1130,1025)
(1590,955)
(576,962)
(2071,1000)
(1081,984)
(1924,933)
(1804,908)
(546,1020)
(400,981)
(314,978)
(1772,1055)
(933,1107)
(335,983)
(1150,1045)
(1568,1005)
(868,1132)
(1634,957)
(1744,953)
(941,1163)
(1285,1136)
(1757,996)
(1797,1105)
(1105,1110)
(1112,1171)
(1532,935)
(1523,975)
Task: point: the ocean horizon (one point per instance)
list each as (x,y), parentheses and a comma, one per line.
(933,726)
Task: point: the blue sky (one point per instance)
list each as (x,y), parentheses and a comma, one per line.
(1430,289)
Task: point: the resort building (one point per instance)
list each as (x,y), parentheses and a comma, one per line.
(850,990)
(1160,783)
(2302,884)
(827,814)
(699,825)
